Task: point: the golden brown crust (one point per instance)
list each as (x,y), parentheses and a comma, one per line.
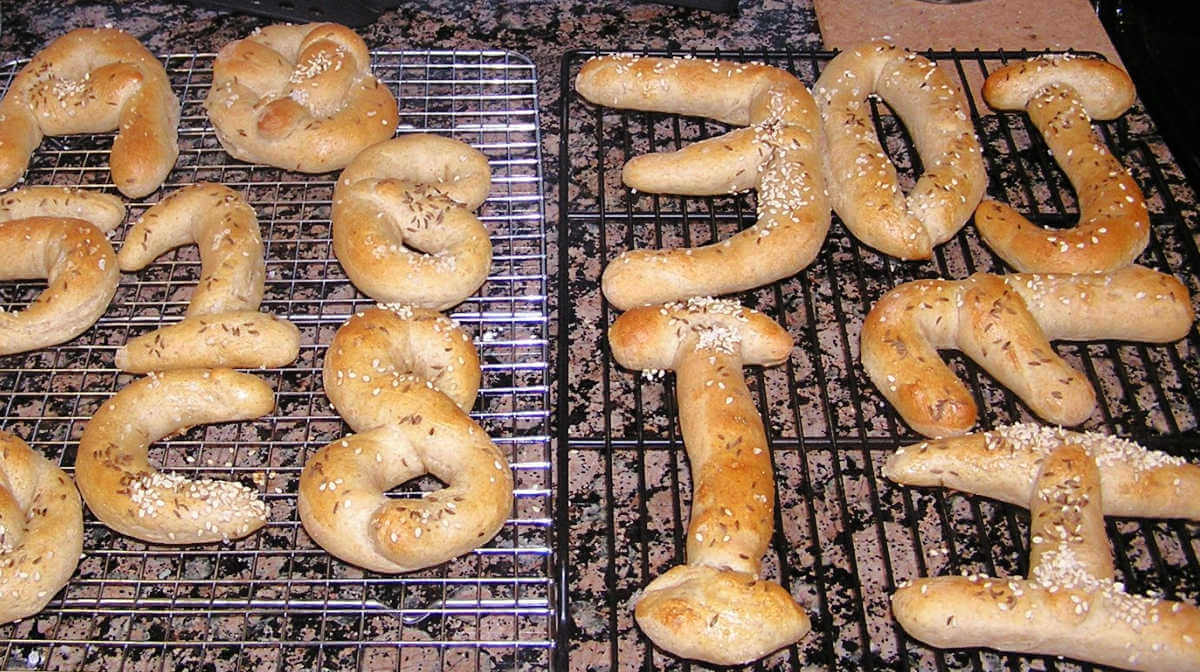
(403,379)
(103,211)
(244,339)
(779,155)
(299,97)
(128,494)
(403,226)
(41,529)
(863,184)
(94,80)
(1005,323)
(1113,226)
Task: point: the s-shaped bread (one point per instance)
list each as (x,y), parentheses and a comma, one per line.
(716,608)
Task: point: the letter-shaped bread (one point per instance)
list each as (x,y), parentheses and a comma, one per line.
(94,80)
(716,608)
(779,155)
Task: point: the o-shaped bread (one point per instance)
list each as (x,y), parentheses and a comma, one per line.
(1070,605)
(403,379)
(779,155)
(76,259)
(41,529)
(716,608)
(403,227)
(223,327)
(1062,95)
(129,495)
(1005,323)
(299,98)
(863,184)
(94,80)
(1003,464)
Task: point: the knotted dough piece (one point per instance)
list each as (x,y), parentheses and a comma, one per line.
(1003,464)
(779,154)
(716,608)
(223,327)
(1070,605)
(404,378)
(57,234)
(1005,323)
(299,97)
(41,529)
(403,222)
(863,184)
(1062,95)
(94,80)
(131,496)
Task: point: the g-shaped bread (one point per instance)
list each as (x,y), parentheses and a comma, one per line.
(129,495)
(716,608)
(223,327)
(779,155)
(73,255)
(1003,464)
(299,97)
(94,80)
(403,226)
(403,378)
(1005,323)
(1061,95)
(863,184)
(1069,605)
(41,529)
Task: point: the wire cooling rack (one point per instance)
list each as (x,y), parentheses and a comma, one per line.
(275,600)
(844,535)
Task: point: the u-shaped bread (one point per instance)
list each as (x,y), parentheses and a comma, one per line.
(403,379)
(299,97)
(41,529)
(94,80)
(716,608)
(403,223)
(1005,323)
(131,496)
(223,327)
(863,184)
(73,255)
(1062,95)
(779,155)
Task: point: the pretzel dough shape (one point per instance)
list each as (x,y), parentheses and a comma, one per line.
(1070,605)
(417,191)
(779,155)
(57,234)
(1062,95)
(129,495)
(41,529)
(403,378)
(299,98)
(223,327)
(94,80)
(716,608)
(1003,464)
(1005,323)
(863,184)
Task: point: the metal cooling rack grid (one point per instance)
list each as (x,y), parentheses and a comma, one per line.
(845,535)
(275,600)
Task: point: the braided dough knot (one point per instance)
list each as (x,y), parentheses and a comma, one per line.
(41,529)
(57,234)
(299,97)
(403,379)
(94,80)
(403,226)
(779,154)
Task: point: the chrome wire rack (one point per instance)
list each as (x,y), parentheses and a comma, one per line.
(275,600)
(845,536)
